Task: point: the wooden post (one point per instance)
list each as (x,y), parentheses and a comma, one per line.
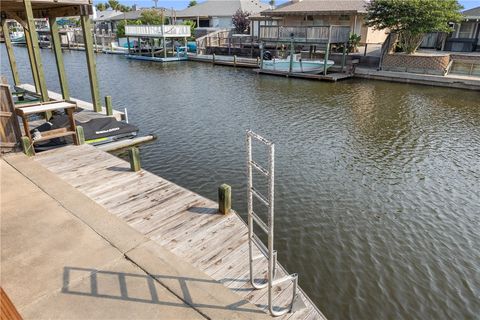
(108,105)
(235,60)
(224,198)
(11,55)
(261,55)
(128,44)
(291,57)
(344,55)
(134,155)
(31,60)
(27,146)
(57,48)
(80,135)
(92,72)
(213,58)
(37,60)
(164,46)
(325,58)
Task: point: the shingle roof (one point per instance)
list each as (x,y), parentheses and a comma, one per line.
(320,7)
(222,8)
(135,14)
(474,12)
(106,15)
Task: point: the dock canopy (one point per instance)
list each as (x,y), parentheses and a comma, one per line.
(164,31)
(15,9)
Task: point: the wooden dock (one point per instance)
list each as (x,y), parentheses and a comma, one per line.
(184,222)
(332,77)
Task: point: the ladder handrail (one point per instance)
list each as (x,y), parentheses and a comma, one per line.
(268,251)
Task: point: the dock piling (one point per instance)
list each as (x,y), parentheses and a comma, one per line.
(224,198)
(27,147)
(108,105)
(235,60)
(80,135)
(134,155)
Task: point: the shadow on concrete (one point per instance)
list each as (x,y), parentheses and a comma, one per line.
(120,281)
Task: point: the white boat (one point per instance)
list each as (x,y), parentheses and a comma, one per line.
(113,48)
(298,65)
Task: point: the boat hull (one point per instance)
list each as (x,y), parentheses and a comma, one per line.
(297,66)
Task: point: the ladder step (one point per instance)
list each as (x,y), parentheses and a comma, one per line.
(259,137)
(260,222)
(260,197)
(290,277)
(259,168)
(260,244)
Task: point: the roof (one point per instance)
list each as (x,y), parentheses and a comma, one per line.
(222,8)
(473,13)
(320,7)
(47,8)
(106,15)
(136,14)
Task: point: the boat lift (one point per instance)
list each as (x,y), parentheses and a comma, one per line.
(266,251)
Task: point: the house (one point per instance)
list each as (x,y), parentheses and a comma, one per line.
(109,19)
(466,36)
(297,13)
(219,13)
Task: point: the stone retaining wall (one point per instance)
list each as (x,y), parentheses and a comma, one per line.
(425,64)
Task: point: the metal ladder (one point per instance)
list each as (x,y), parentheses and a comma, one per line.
(266,252)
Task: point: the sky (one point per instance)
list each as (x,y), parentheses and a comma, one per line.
(181,4)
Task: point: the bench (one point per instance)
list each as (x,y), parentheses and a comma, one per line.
(24,111)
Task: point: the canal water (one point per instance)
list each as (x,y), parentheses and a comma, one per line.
(377,183)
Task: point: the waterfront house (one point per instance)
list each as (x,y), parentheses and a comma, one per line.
(296,13)
(218,13)
(111,21)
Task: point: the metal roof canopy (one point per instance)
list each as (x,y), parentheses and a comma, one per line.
(46,8)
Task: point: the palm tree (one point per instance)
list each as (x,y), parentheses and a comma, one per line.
(114,4)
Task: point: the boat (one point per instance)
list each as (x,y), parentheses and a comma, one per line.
(116,49)
(298,65)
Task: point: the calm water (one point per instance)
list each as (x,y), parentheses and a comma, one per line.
(377,184)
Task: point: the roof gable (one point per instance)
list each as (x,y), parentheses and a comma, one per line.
(222,8)
(320,7)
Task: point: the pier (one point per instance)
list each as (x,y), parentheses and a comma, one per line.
(172,218)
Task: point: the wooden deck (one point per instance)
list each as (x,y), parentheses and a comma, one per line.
(333,77)
(182,221)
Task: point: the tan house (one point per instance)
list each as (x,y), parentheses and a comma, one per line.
(321,13)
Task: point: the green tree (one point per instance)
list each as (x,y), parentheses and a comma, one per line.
(152,17)
(271,3)
(124,8)
(192,3)
(240,21)
(102,6)
(114,4)
(192,25)
(412,19)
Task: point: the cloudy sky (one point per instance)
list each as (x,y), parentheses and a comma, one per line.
(181,4)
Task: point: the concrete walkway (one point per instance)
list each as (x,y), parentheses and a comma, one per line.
(64,256)
(450,81)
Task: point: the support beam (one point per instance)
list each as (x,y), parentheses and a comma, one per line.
(92,71)
(325,59)
(31,59)
(11,55)
(57,49)
(32,35)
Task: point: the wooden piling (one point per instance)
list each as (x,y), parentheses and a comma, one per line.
(10,54)
(134,155)
(108,105)
(213,58)
(224,198)
(27,146)
(32,35)
(80,135)
(92,72)
(57,48)
(235,60)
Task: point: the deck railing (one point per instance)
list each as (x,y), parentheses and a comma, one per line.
(168,31)
(311,34)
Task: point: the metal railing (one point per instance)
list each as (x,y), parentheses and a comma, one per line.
(158,31)
(265,251)
(331,34)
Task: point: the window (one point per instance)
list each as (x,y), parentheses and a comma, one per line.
(466,30)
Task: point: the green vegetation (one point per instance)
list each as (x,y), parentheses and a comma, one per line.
(114,4)
(192,3)
(192,25)
(353,42)
(412,19)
